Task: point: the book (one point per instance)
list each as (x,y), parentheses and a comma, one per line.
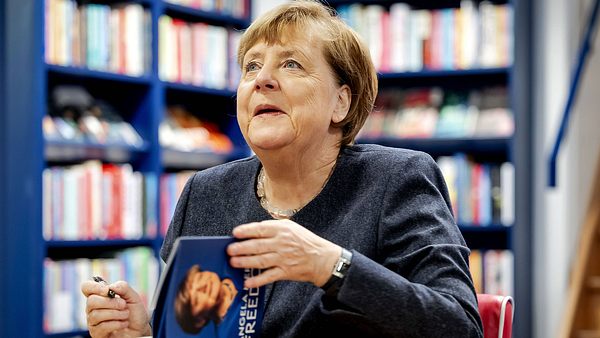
(476,268)
(201,295)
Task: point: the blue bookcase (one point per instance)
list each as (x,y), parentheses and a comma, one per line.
(516,149)
(25,153)
(4,254)
(25,80)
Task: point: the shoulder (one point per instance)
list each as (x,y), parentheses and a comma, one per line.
(387,159)
(227,172)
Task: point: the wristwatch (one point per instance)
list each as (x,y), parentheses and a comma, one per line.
(339,272)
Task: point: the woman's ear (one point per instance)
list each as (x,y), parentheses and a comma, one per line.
(343,104)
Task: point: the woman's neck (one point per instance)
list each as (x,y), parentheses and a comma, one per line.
(292,180)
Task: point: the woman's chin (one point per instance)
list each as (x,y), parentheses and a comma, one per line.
(268,140)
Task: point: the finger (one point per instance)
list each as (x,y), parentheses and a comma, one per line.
(89,288)
(251,247)
(123,289)
(96,317)
(264,278)
(257,230)
(96,302)
(263,261)
(105,328)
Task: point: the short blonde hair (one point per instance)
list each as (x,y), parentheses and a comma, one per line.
(345,52)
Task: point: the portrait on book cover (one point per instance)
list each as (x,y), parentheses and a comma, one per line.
(202,297)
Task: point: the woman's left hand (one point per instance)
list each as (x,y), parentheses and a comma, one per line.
(285,251)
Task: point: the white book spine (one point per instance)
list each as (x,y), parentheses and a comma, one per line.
(198,52)
(470,34)
(185,46)
(399,18)
(166,50)
(373,16)
(134,25)
(507,184)
(47,203)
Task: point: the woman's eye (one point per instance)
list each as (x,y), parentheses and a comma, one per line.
(291,64)
(252,66)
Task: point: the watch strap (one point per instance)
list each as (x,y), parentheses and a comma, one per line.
(340,269)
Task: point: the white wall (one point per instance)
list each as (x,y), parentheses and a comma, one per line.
(559,212)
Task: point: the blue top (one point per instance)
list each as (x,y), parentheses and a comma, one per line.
(409,275)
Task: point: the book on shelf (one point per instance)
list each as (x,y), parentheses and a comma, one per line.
(64,305)
(196,53)
(171,186)
(498,266)
(183,131)
(201,294)
(75,116)
(98,201)
(481,193)
(476,268)
(114,38)
(433,112)
(492,271)
(403,39)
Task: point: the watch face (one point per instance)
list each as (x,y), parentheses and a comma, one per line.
(343,264)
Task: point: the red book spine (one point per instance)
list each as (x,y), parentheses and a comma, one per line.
(114,223)
(386,43)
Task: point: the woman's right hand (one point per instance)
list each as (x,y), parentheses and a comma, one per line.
(123,316)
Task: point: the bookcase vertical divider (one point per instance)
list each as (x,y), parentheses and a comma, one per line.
(22,158)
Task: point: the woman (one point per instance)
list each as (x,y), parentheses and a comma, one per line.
(354,240)
(202,297)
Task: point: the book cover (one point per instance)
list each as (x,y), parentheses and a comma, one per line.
(201,295)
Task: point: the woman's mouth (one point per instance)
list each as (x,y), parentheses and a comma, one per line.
(267,110)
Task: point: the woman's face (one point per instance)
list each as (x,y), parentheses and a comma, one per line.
(288,95)
(205,287)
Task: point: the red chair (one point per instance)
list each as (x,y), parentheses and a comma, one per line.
(496,314)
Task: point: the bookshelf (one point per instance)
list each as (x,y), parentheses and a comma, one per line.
(26,79)
(4,254)
(141,100)
(514,148)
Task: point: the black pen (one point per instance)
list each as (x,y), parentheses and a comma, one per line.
(98,279)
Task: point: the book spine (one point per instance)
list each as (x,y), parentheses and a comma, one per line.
(65,309)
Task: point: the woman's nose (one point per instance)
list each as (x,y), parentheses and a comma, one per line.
(266,81)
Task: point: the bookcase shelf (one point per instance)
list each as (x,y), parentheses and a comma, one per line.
(451,79)
(498,147)
(494,237)
(445,73)
(60,151)
(104,243)
(413,3)
(66,249)
(194,14)
(84,73)
(192,89)
(191,159)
